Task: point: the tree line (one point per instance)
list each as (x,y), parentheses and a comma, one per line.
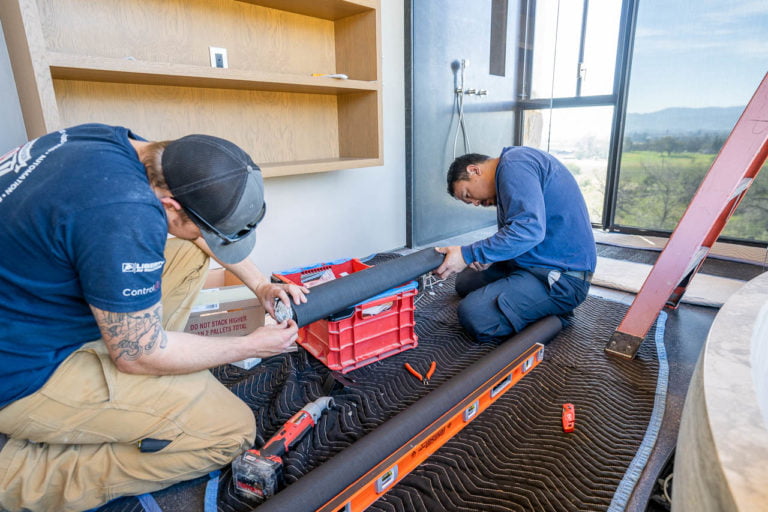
(699,142)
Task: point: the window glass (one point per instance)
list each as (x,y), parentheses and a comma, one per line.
(557,39)
(696,64)
(602,36)
(556,43)
(580,138)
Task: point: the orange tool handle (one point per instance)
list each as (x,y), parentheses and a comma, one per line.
(413,372)
(293,430)
(431,370)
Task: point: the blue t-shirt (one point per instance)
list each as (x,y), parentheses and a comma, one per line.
(541,215)
(79,225)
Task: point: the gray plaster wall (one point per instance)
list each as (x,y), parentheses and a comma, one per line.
(442,33)
(12,131)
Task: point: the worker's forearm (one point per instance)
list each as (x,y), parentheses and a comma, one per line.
(249,274)
(187,353)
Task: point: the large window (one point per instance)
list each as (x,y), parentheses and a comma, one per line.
(695,65)
(567,105)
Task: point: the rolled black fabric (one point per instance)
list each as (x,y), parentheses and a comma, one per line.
(319,486)
(336,295)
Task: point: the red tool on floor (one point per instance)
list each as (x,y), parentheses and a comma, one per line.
(257,472)
(569,418)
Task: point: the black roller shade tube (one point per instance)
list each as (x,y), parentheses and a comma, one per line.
(341,293)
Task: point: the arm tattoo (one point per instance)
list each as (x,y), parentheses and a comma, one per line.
(132,335)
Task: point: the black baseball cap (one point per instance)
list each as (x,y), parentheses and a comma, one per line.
(221,190)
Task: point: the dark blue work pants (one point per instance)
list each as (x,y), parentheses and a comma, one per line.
(504,298)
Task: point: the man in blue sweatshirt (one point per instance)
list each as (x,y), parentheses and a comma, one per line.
(541,259)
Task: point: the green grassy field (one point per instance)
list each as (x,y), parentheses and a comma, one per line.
(635,159)
(655,189)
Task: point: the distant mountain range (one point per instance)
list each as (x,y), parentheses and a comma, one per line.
(681,120)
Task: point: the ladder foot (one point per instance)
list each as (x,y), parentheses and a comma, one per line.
(623,345)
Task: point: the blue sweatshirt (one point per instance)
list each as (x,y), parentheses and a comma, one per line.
(541,216)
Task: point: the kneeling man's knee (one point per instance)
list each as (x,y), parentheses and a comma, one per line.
(230,426)
(241,432)
(484,322)
(467,318)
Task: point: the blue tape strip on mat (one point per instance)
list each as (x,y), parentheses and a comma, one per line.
(211,492)
(631,477)
(148,503)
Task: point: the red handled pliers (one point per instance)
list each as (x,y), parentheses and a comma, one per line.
(424,379)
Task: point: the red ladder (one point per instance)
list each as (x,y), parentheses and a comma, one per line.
(724,186)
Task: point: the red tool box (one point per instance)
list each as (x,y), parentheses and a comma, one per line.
(365,333)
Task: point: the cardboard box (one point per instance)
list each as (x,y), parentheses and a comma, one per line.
(219,277)
(227,311)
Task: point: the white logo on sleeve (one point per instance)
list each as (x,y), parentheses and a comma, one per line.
(136,292)
(143,267)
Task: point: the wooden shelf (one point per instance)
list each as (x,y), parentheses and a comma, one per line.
(276,169)
(333,10)
(103,69)
(144,64)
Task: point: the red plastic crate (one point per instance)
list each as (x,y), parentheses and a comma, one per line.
(358,336)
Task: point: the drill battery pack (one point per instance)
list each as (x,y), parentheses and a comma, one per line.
(256,476)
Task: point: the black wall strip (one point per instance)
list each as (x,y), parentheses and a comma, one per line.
(498,56)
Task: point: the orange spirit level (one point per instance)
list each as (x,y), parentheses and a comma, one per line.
(382,477)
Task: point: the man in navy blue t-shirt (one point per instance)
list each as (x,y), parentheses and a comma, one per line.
(541,259)
(90,365)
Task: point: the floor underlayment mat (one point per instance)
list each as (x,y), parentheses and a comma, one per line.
(514,456)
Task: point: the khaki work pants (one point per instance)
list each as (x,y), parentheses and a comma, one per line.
(74,443)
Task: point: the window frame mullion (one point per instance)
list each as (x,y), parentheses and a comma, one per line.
(582,44)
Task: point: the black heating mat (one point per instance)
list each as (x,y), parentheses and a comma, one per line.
(514,456)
